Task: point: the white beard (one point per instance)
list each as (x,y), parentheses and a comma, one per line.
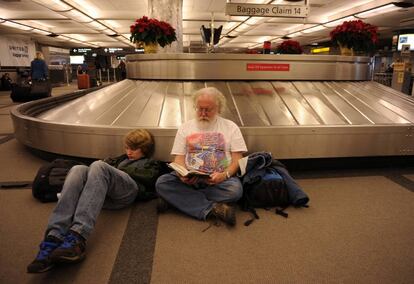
(205,124)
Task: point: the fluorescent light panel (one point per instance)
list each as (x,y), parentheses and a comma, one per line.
(77,16)
(96,25)
(242,27)
(55,5)
(17,26)
(109,32)
(85,6)
(255,20)
(314,29)
(42,32)
(377,11)
(334,23)
(295,34)
(111,23)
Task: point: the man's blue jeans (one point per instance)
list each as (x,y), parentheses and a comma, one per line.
(197,202)
(85,191)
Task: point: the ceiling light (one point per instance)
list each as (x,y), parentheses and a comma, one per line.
(255,20)
(62,37)
(77,16)
(40,24)
(54,5)
(16,25)
(42,32)
(293,27)
(377,11)
(264,38)
(233,34)
(314,29)
(96,25)
(85,6)
(339,21)
(79,37)
(111,23)
(242,27)
(295,34)
(109,32)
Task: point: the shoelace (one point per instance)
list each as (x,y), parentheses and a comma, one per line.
(216,222)
(45,249)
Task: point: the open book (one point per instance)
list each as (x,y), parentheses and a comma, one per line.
(182,171)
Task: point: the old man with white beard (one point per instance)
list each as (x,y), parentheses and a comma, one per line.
(210,144)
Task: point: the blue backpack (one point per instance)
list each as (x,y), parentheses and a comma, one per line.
(265,190)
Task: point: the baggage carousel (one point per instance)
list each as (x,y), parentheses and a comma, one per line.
(295,106)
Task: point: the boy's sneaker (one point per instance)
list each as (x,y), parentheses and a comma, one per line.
(224,212)
(71,250)
(43,262)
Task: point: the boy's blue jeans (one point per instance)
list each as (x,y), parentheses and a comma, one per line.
(85,191)
(197,201)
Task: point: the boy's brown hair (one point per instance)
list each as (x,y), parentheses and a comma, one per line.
(140,138)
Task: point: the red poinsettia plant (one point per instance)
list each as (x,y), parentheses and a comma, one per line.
(356,35)
(148,30)
(289,47)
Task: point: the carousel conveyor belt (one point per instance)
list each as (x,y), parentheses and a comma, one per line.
(291,119)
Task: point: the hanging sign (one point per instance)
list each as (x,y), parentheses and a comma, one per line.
(262,10)
(16,52)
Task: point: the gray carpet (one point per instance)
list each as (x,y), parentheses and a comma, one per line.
(23,220)
(357,230)
(134,261)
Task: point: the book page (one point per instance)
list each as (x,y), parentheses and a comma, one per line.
(184,172)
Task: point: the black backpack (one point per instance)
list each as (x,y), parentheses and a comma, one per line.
(50,178)
(266,190)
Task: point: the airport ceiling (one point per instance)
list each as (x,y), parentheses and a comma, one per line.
(105,23)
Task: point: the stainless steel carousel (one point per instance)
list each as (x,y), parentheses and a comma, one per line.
(295,106)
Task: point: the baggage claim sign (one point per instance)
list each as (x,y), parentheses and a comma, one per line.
(259,10)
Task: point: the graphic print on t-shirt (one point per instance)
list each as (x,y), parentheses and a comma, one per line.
(206,152)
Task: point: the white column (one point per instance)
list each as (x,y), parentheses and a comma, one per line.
(170,11)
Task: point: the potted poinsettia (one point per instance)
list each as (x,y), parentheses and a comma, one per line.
(289,47)
(149,31)
(356,36)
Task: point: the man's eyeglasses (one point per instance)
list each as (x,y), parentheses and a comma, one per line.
(205,109)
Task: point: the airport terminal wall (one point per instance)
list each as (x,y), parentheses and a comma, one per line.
(295,106)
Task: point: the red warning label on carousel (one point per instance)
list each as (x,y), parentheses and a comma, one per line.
(267,67)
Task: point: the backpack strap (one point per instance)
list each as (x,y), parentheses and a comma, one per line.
(255,216)
(281,211)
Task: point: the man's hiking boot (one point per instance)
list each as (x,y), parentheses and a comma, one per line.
(224,212)
(43,262)
(162,205)
(71,250)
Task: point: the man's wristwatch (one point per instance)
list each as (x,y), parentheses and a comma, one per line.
(228,175)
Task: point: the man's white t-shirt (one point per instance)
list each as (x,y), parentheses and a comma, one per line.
(208,150)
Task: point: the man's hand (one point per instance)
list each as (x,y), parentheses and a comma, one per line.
(217,177)
(191,180)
